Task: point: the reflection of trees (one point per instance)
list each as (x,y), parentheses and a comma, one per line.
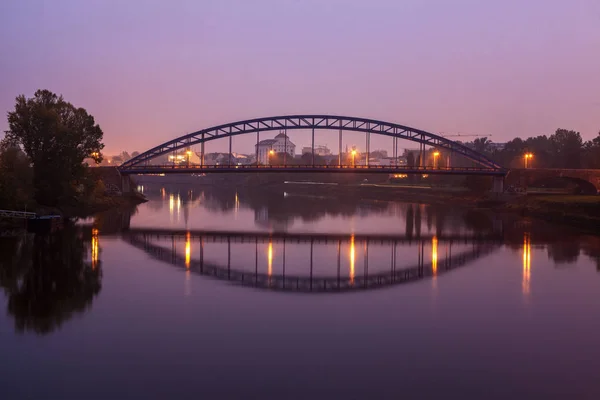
(564,252)
(47,279)
(114,220)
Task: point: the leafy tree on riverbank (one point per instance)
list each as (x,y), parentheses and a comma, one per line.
(16,179)
(56,137)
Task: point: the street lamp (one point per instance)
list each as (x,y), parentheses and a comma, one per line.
(527,157)
(435,157)
(271,152)
(189,156)
(353,158)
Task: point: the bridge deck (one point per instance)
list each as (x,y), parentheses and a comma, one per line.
(17,214)
(385,169)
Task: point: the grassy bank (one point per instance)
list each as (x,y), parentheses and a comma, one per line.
(579,211)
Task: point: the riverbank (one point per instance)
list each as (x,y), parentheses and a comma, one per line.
(581,212)
(81,210)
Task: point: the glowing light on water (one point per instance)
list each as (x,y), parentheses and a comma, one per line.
(526,263)
(270,259)
(95,249)
(188,250)
(434,255)
(352,258)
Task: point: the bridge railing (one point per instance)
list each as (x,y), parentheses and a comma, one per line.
(303,167)
(17,214)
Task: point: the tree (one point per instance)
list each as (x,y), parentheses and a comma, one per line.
(16,189)
(567,148)
(125,156)
(592,153)
(57,137)
(47,280)
(482,145)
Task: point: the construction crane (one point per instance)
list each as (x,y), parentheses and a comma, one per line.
(463,135)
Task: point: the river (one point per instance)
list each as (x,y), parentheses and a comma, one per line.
(205,293)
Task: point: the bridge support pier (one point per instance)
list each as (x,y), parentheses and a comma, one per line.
(498,184)
(125,184)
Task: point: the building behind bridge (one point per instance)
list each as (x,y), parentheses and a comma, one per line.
(279,144)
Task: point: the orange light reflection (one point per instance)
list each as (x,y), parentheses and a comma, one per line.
(270,259)
(188,250)
(352,257)
(434,255)
(94,248)
(526,263)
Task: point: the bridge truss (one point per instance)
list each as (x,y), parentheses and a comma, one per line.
(312,123)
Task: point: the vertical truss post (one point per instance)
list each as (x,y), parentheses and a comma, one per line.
(367,147)
(284,147)
(421,149)
(202,152)
(313,145)
(368,140)
(396,148)
(257,142)
(230,154)
(340,146)
(188,153)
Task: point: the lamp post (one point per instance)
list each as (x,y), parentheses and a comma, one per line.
(353,158)
(527,157)
(271,152)
(189,156)
(435,157)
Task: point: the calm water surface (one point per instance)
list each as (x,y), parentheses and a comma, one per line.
(202,293)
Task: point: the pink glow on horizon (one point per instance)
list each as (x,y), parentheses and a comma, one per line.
(153,70)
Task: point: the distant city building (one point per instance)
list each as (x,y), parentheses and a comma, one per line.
(496,146)
(390,161)
(320,150)
(279,144)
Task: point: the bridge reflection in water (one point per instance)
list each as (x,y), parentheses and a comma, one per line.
(320,273)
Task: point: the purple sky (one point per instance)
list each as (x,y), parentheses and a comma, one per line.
(152,70)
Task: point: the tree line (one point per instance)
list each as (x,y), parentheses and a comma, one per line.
(563,149)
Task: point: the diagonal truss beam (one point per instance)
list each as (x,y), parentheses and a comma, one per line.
(307,122)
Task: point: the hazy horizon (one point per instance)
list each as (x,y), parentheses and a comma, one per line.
(152,70)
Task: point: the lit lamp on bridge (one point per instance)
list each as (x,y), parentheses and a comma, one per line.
(271,153)
(353,158)
(189,156)
(527,157)
(435,157)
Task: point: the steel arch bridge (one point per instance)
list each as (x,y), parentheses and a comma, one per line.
(139,164)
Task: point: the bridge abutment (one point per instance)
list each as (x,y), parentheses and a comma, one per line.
(498,184)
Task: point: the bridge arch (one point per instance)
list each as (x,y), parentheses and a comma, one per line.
(308,122)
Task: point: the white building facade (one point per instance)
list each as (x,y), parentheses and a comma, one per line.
(280,144)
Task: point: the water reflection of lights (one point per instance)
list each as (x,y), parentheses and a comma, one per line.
(434,256)
(526,263)
(270,259)
(236,205)
(188,250)
(171,204)
(174,203)
(163,192)
(352,258)
(94,248)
